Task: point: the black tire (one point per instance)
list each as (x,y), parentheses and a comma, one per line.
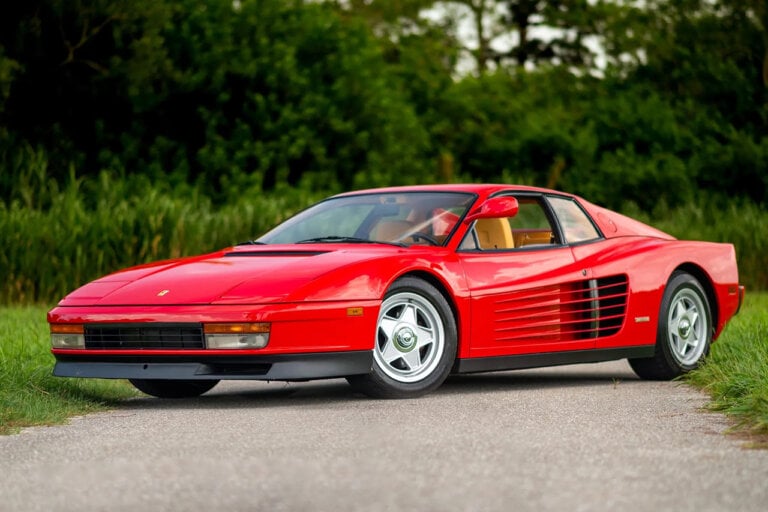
(415,342)
(173,388)
(684,332)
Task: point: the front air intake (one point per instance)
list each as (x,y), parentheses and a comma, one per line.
(144,336)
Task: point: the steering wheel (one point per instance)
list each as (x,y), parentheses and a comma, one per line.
(418,235)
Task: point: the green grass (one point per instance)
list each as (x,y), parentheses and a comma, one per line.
(736,372)
(29,394)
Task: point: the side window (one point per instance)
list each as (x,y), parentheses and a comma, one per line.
(529,228)
(576,225)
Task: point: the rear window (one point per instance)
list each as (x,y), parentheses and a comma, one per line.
(577,226)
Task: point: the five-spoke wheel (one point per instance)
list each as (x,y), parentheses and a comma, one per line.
(684,330)
(415,343)
(410,337)
(687,326)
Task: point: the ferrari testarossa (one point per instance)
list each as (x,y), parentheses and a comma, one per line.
(397,288)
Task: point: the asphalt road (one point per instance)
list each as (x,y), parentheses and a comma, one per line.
(589,437)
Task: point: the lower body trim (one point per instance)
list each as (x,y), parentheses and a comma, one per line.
(521,362)
(276,367)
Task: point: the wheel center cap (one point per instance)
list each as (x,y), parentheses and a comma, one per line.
(684,328)
(405,339)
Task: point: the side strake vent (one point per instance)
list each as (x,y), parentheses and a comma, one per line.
(144,336)
(592,308)
(608,304)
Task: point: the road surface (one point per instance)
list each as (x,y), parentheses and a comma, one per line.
(578,438)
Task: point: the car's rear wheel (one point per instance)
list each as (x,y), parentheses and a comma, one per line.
(415,342)
(173,388)
(684,331)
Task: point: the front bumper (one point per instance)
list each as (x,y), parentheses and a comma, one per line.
(311,366)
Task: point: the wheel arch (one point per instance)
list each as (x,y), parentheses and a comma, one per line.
(709,288)
(443,289)
(437,283)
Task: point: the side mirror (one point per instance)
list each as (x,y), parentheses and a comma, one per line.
(495,207)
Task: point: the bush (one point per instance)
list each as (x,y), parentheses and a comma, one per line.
(60,240)
(55,240)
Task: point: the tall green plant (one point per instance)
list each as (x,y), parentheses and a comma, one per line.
(91,228)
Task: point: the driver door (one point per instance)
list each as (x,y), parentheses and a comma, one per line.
(524,284)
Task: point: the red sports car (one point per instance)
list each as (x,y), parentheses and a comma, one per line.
(397,288)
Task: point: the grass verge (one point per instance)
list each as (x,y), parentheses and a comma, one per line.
(736,372)
(29,394)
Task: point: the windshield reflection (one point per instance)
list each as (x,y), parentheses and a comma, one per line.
(403,218)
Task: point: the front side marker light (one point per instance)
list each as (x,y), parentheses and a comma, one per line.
(236,336)
(67,336)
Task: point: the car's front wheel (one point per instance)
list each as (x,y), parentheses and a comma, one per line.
(415,343)
(684,331)
(173,388)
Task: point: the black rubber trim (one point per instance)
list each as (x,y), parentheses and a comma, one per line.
(267,253)
(489,364)
(275,367)
(742,291)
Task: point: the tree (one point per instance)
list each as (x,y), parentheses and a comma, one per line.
(257,92)
(66,94)
(708,59)
(571,23)
(524,32)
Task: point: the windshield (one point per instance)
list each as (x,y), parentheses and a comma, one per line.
(403,218)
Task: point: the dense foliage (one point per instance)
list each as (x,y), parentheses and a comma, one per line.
(126,125)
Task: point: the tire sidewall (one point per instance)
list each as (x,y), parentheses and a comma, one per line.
(173,388)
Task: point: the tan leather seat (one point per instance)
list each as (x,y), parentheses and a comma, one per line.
(391,230)
(532,237)
(494,234)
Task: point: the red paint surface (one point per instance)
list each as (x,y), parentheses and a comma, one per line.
(506,303)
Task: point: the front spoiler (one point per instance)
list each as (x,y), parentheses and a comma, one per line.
(269,367)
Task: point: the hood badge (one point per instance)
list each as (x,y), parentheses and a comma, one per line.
(161,293)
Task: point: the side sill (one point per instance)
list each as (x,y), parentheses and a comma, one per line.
(276,367)
(521,362)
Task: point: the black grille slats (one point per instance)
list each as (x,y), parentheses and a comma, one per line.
(592,308)
(607,297)
(612,293)
(144,336)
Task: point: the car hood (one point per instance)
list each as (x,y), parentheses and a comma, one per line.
(241,275)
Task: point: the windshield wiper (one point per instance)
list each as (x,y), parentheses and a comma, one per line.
(252,242)
(333,239)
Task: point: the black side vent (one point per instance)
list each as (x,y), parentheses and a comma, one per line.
(144,336)
(595,308)
(612,294)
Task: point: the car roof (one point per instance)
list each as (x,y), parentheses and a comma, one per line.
(481,189)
